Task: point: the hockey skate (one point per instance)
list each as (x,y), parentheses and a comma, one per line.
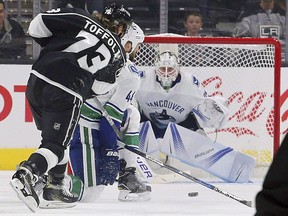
(131,188)
(22,183)
(57,194)
(40,184)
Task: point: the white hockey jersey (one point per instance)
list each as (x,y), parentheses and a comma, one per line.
(161,106)
(115,101)
(188,95)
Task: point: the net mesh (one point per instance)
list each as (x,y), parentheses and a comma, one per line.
(233,71)
(205,55)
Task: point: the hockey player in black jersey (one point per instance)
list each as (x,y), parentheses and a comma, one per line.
(80,57)
(272,199)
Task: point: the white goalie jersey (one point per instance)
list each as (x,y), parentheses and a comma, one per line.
(173,106)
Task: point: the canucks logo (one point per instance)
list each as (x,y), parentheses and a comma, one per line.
(195,81)
(162,119)
(134,69)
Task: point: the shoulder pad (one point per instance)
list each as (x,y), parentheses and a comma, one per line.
(132,68)
(195,80)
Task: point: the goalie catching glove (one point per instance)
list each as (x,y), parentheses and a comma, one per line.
(212,113)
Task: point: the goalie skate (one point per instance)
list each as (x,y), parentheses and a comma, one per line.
(131,188)
(22,183)
(58,195)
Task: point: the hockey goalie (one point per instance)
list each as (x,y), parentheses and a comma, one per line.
(175,109)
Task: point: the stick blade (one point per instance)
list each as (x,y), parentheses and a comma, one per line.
(247,203)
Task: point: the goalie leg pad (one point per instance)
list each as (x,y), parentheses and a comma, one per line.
(202,152)
(150,145)
(242,168)
(147,142)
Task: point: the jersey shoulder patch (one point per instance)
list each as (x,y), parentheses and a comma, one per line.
(132,68)
(195,80)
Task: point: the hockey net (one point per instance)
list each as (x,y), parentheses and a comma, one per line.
(246,71)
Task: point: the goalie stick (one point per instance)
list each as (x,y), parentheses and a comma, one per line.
(160,163)
(173,169)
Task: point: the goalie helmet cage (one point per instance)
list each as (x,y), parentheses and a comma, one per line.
(246,71)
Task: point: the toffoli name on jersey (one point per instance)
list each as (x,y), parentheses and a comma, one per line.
(101,33)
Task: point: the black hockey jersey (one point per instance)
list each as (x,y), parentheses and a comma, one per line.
(74,47)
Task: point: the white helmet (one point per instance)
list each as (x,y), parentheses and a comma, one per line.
(167,68)
(133,34)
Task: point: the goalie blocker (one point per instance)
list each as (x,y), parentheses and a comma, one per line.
(200,151)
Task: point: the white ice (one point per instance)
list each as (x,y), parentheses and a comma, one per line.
(167,199)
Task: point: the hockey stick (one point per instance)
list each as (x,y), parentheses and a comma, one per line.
(173,169)
(120,134)
(152,176)
(160,163)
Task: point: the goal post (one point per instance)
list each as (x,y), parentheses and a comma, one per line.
(246,71)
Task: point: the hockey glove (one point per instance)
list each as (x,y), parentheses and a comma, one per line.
(109,166)
(109,158)
(212,113)
(109,73)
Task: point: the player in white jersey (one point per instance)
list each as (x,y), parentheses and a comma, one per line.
(94,154)
(167,95)
(175,105)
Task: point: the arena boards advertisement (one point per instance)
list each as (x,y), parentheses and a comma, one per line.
(19,136)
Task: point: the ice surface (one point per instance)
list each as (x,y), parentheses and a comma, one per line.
(167,199)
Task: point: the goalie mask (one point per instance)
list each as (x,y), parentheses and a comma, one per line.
(135,35)
(167,69)
(117,19)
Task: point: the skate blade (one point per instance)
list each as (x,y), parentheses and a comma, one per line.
(29,201)
(45,204)
(126,196)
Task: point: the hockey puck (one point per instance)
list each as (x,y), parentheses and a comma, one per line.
(193,194)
